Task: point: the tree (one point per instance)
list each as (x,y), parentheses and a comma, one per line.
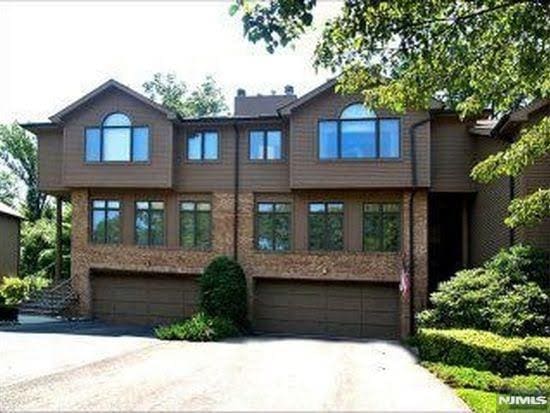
(8,188)
(18,151)
(472,55)
(206,100)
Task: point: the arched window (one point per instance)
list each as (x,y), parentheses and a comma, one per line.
(359,134)
(357,111)
(116,140)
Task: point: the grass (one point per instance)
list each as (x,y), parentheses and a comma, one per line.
(478,400)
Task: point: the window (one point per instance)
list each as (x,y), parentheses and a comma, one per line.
(326,226)
(117,140)
(382,227)
(359,134)
(195,225)
(149,223)
(273,226)
(202,146)
(105,222)
(265,144)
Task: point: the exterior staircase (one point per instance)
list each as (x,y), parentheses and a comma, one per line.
(54,300)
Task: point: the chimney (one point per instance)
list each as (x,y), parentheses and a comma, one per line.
(289,90)
(241,92)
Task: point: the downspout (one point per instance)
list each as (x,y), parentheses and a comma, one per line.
(414,182)
(512,231)
(236,195)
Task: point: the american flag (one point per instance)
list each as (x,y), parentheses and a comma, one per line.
(405,283)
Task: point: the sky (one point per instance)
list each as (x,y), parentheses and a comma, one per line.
(52,53)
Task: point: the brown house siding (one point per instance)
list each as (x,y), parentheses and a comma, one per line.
(50,160)
(451,155)
(9,245)
(155,173)
(308,172)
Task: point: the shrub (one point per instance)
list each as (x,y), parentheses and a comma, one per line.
(484,351)
(458,376)
(505,296)
(223,290)
(200,327)
(14,290)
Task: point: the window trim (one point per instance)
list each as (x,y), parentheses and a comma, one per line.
(325,214)
(264,157)
(120,210)
(381,229)
(256,226)
(194,212)
(202,159)
(339,157)
(101,139)
(149,209)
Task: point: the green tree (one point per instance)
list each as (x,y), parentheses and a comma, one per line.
(8,188)
(472,55)
(206,100)
(18,152)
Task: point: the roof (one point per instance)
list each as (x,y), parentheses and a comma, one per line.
(261,105)
(483,127)
(286,109)
(7,210)
(58,117)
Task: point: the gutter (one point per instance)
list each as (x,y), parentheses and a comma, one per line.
(236,188)
(414,184)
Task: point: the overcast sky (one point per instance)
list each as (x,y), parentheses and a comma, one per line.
(51,53)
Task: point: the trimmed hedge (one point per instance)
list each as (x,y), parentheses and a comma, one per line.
(200,327)
(223,290)
(458,376)
(485,351)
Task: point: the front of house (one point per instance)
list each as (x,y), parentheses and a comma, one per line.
(329,206)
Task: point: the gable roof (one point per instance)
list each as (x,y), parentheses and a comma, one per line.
(111,83)
(287,108)
(7,210)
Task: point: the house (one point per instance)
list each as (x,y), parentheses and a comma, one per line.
(10,224)
(323,201)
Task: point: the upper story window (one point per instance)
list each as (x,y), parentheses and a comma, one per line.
(326,226)
(116,140)
(382,227)
(273,228)
(359,134)
(105,221)
(265,145)
(202,146)
(196,225)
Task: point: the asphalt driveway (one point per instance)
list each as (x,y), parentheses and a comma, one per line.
(89,366)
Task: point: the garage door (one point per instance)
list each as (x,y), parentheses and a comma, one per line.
(143,299)
(327,308)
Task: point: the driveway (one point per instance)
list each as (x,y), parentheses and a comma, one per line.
(89,366)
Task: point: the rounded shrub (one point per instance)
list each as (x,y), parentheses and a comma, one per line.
(223,290)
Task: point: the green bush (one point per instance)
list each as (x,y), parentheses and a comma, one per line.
(482,350)
(457,376)
(479,401)
(223,290)
(14,290)
(506,296)
(200,327)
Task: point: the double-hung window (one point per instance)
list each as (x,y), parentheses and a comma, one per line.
(265,145)
(105,221)
(149,223)
(195,225)
(326,226)
(381,227)
(202,146)
(273,227)
(359,134)
(116,140)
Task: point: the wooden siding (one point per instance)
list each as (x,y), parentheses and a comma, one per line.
(451,155)
(307,171)
(9,245)
(155,173)
(50,160)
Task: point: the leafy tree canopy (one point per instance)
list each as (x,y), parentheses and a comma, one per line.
(8,188)
(205,100)
(472,55)
(18,153)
